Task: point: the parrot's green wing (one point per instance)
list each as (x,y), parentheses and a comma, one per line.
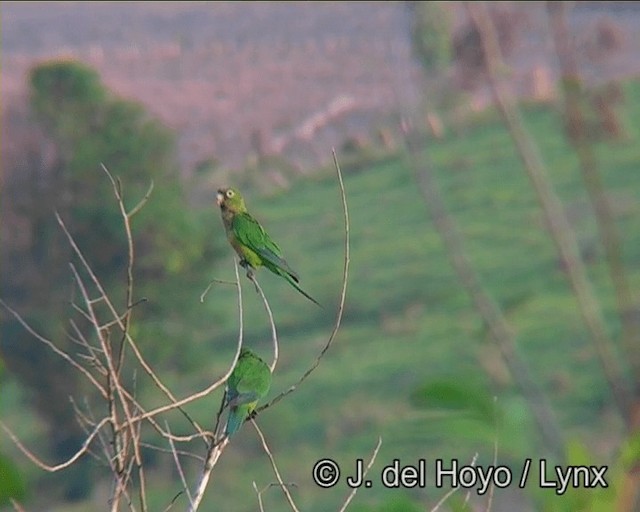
(248,232)
(249,381)
(251,234)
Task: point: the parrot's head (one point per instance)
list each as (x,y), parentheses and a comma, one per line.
(231,200)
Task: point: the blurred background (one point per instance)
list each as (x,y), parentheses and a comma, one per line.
(490,161)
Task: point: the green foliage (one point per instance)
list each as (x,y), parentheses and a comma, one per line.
(11,483)
(462,397)
(63,95)
(407,321)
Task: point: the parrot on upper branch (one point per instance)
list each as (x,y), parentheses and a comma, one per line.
(251,241)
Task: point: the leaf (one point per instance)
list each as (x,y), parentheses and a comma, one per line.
(457,397)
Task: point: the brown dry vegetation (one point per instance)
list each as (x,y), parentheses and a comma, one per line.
(225,73)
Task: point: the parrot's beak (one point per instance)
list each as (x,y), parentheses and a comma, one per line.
(219,198)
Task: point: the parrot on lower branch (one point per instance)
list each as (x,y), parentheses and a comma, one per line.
(248,383)
(251,241)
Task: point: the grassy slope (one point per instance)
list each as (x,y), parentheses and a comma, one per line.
(407,319)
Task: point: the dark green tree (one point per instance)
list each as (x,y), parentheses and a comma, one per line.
(78,124)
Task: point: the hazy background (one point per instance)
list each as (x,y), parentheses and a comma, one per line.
(256,95)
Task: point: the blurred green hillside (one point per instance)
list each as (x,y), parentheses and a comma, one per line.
(407,320)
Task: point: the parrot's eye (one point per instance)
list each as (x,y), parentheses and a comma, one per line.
(230,193)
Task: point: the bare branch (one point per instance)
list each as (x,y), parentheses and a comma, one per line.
(343,294)
(176,459)
(171,450)
(212,458)
(55,349)
(259,493)
(147,368)
(449,493)
(366,470)
(216,384)
(274,334)
(283,486)
(206,290)
(142,202)
(266,488)
(42,465)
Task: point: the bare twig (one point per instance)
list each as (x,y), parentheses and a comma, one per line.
(449,493)
(170,451)
(115,385)
(206,290)
(343,294)
(266,488)
(141,360)
(372,459)
(55,349)
(211,460)
(223,403)
(176,459)
(43,465)
(283,486)
(126,321)
(274,334)
(217,383)
(259,493)
(492,486)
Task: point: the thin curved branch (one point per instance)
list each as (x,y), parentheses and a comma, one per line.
(212,458)
(274,334)
(184,453)
(114,380)
(283,486)
(46,467)
(112,310)
(55,349)
(206,290)
(343,294)
(195,396)
(366,470)
(266,488)
(451,491)
(122,325)
(176,459)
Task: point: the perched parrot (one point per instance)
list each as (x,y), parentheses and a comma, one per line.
(248,383)
(251,241)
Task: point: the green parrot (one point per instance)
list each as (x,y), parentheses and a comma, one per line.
(251,241)
(248,383)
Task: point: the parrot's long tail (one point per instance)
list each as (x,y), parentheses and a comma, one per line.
(295,285)
(235,420)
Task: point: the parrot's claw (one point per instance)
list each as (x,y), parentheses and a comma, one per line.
(250,274)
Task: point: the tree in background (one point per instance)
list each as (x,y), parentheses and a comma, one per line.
(77,125)
(431,36)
